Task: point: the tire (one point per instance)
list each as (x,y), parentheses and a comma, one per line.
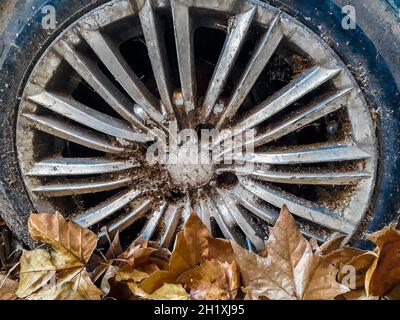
(376,51)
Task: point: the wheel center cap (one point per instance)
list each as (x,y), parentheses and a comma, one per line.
(190,165)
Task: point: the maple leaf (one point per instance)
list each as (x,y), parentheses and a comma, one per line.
(190,248)
(291,270)
(66,265)
(384,273)
(202,264)
(191,245)
(74,243)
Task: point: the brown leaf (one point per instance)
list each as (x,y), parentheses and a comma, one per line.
(115,248)
(157,280)
(128,274)
(212,280)
(220,250)
(138,254)
(37,269)
(361,263)
(196,234)
(332,245)
(318,280)
(59,292)
(165,292)
(77,285)
(190,249)
(105,284)
(8,288)
(384,274)
(190,246)
(74,243)
(170,292)
(291,270)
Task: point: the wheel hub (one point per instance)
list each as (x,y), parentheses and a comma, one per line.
(190,166)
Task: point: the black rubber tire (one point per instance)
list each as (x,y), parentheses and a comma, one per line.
(375,43)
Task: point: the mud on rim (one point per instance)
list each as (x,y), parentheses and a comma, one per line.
(122,75)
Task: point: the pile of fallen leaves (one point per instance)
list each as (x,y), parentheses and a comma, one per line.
(201,267)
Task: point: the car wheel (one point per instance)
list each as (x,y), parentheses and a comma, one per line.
(84,104)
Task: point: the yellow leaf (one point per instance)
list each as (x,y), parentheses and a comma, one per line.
(157,280)
(37,269)
(74,243)
(170,292)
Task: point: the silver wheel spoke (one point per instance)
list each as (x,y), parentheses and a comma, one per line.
(185,52)
(109,54)
(299,121)
(248,201)
(89,117)
(313,178)
(303,84)
(153,222)
(91,73)
(224,219)
(297,206)
(241,221)
(81,187)
(172,217)
(252,203)
(106,208)
(154,34)
(123,222)
(254,68)
(233,43)
(72,133)
(78,166)
(308,155)
(204,213)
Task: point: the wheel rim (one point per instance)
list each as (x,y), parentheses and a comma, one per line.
(84,152)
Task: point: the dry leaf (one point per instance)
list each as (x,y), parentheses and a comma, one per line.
(291,270)
(8,288)
(74,243)
(128,274)
(384,274)
(170,292)
(110,273)
(59,292)
(66,266)
(191,245)
(157,280)
(37,269)
(220,249)
(138,254)
(332,245)
(212,280)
